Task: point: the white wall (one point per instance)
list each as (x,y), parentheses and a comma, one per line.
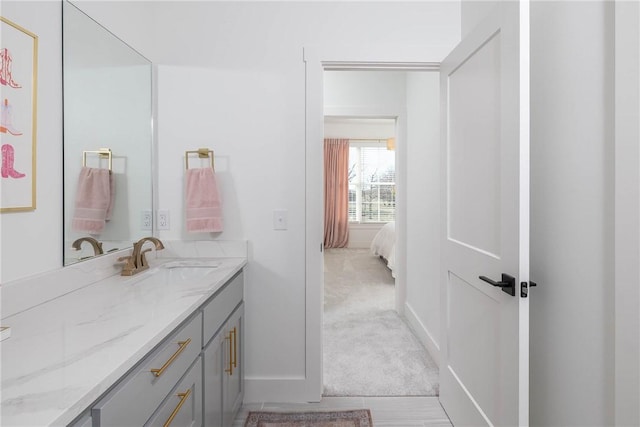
(627,206)
(231,77)
(572,214)
(131,21)
(339,127)
(423,208)
(364,93)
(245,118)
(31,241)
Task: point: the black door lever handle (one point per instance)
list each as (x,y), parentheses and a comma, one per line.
(508,283)
(502,284)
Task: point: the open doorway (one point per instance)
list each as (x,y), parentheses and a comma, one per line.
(369,346)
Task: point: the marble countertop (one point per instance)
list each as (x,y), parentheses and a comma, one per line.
(65,353)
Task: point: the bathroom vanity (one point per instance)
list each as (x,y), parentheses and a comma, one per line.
(164,347)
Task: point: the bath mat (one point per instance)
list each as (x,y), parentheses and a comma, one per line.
(352,418)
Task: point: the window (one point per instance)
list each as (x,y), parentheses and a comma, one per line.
(372,182)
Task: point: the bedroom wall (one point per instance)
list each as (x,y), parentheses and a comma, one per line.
(361,235)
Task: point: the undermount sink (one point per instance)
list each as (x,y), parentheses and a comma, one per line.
(191,263)
(176,272)
(188,269)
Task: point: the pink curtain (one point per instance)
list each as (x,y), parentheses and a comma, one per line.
(336,193)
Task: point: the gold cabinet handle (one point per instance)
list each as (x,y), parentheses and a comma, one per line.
(235,347)
(182,346)
(229,370)
(183,398)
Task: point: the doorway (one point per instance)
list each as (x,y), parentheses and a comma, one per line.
(317,62)
(493,52)
(368,107)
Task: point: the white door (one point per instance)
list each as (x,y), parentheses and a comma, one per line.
(484,366)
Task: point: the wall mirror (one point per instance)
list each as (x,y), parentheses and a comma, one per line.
(107,126)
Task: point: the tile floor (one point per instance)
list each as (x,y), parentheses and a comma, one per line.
(385,411)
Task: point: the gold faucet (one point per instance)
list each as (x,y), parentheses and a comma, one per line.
(97,246)
(137,261)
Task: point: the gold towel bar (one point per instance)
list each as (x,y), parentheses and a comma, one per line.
(202,153)
(103,153)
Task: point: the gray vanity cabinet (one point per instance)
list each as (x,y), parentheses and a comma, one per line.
(149,384)
(224,373)
(233,378)
(212,362)
(223,363)
(183,406)
(193,378)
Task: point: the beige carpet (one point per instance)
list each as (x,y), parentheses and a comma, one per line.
(350,418)
(369,350)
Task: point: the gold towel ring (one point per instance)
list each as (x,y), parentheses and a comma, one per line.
(202,153)
(103,153)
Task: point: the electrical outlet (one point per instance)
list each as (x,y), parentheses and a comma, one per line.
(163,219)
(146,220)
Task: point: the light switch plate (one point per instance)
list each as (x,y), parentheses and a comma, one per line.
(280,220)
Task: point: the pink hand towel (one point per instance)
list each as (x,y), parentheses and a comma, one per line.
(203,207)
(112,197)
(94,200)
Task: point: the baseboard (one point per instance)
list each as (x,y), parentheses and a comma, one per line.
(359,244)
(279,390)
(422,333)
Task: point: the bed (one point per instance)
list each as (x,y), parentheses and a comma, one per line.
(384,245)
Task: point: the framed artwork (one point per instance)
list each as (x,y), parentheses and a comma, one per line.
(18,108)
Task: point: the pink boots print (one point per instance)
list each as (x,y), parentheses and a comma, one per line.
(7,169)
(6,76)
(6,122)
(6,113)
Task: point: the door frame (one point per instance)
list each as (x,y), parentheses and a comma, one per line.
(317,60)
(627,215)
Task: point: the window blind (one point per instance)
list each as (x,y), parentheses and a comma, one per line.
(372,189)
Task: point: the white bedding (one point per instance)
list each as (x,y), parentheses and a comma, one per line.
(384,244)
